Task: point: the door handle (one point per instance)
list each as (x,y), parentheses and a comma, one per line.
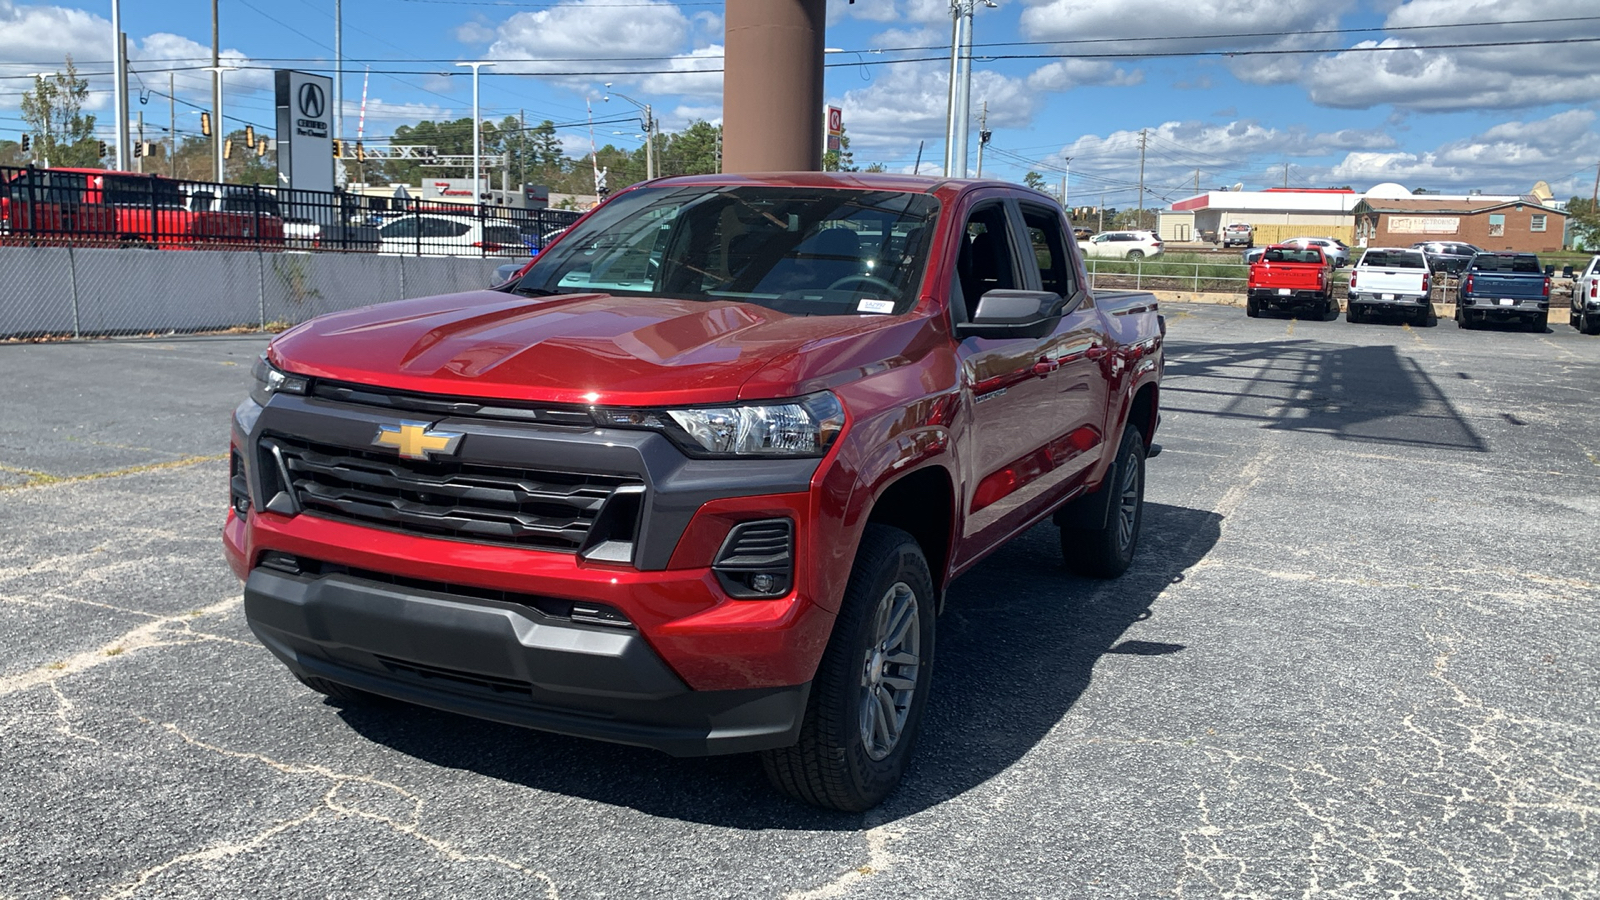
(1045,366)
(1096,352)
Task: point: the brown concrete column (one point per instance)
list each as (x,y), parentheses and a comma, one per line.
(772,85)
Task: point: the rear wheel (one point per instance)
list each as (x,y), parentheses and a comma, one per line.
(1589,324)
(1538,324)
(1107,551)
(871,687)
(1330,309)
(1352,313)
(1136,254)
(1251,308)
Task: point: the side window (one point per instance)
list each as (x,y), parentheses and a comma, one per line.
(984,262)
(1497,224)
(1049,251)
(400,228)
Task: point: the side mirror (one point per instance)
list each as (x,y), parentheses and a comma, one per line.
(1017,314)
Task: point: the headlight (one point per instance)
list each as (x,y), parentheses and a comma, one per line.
(270,381)
(803,427)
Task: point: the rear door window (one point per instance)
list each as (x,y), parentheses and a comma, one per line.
(1049,250)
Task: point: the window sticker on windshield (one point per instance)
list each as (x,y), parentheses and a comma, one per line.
(875,306)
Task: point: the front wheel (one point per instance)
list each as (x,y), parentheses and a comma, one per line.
(871,687)
(1136,254)
(1107,551)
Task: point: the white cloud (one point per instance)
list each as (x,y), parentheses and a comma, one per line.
(909,102)
(474,32)
(589,34)
(696,80)
(889,11)
(1509,156)
(1283,26)
(1066,74)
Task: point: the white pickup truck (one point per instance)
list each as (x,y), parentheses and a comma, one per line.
(1586,299)
(1390,281)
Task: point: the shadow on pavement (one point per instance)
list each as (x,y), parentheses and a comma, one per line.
(1017,647)
(1365,394)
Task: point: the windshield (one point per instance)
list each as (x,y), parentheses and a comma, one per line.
(1393,259)
(807,251)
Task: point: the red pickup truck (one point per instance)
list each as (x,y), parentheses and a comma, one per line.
(138,210)
(50,207)
(1288,277)
(699,478)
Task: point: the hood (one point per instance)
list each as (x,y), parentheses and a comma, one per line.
(582,348)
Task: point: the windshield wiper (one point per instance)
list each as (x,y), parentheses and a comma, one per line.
(537,292)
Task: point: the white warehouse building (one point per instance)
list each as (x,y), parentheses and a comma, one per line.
(1276,214)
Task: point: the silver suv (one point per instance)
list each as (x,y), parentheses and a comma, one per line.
(1333,248)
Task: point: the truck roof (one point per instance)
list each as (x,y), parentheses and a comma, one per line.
(877,181)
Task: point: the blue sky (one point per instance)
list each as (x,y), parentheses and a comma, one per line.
(1489,117)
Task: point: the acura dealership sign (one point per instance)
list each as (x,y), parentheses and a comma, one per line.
(305,131)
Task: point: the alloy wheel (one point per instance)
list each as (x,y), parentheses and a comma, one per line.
(889,670)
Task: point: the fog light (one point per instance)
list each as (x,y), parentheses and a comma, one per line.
(241,506)
(763,583)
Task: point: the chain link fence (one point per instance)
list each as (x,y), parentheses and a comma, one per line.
(87,253)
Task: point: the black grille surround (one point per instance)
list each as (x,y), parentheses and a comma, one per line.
(456,499)
(756,560)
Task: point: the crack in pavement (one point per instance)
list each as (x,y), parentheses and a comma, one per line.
(879,860)
(343,798)
(149,635)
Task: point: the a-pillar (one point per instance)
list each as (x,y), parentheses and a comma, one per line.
(772,85)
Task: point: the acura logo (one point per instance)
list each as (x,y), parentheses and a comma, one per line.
(312,100)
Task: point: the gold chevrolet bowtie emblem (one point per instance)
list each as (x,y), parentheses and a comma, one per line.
(417,440)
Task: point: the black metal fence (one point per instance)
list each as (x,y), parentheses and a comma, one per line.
(96,208)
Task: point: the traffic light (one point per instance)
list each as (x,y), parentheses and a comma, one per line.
(261,147)
(338,149)
(249,135)
(361,152)
(103,153)
(27,141)
(205,124)
(138,149)
(227,149)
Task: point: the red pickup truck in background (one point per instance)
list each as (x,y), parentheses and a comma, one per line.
(698,479)
(51,208)
(130,209)
(1291,278)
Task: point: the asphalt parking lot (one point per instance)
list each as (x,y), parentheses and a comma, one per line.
(1357,657)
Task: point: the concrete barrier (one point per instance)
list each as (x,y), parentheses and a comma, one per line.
(67,292)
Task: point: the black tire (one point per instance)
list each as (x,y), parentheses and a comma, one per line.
(1352,313)
(1252,309)
(334,690)
(1538,324)
(1425,317)
(1136,254)
(834,764)
(1330,311)
(1464,319)
(1588,324)
(1107,551)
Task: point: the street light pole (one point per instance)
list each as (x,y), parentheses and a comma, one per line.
(217,137)
(649,130)
(120,85)
(477,133)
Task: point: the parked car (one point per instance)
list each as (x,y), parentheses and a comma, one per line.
(1122,245)
(1291,278)
(1082,234)
(1391,281)
(449,235)
(1251,255)
(1239,234)
(1585,314)
(506,272)
(712,510)
(1334,249)
(1450,257)
(1504,287)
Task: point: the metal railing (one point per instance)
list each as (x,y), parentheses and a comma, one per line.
(95,208)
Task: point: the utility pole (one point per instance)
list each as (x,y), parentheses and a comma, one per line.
(140,155)
(1143,135)
(1594,197)
(216,97)
(1197,182)
(1285,174)
(172,126)
(1102,213)
(119,48)
(983,135)
(338,77)
(522,158)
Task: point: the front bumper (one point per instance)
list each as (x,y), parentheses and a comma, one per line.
(507,662)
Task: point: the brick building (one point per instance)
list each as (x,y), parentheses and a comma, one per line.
(1492,223)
